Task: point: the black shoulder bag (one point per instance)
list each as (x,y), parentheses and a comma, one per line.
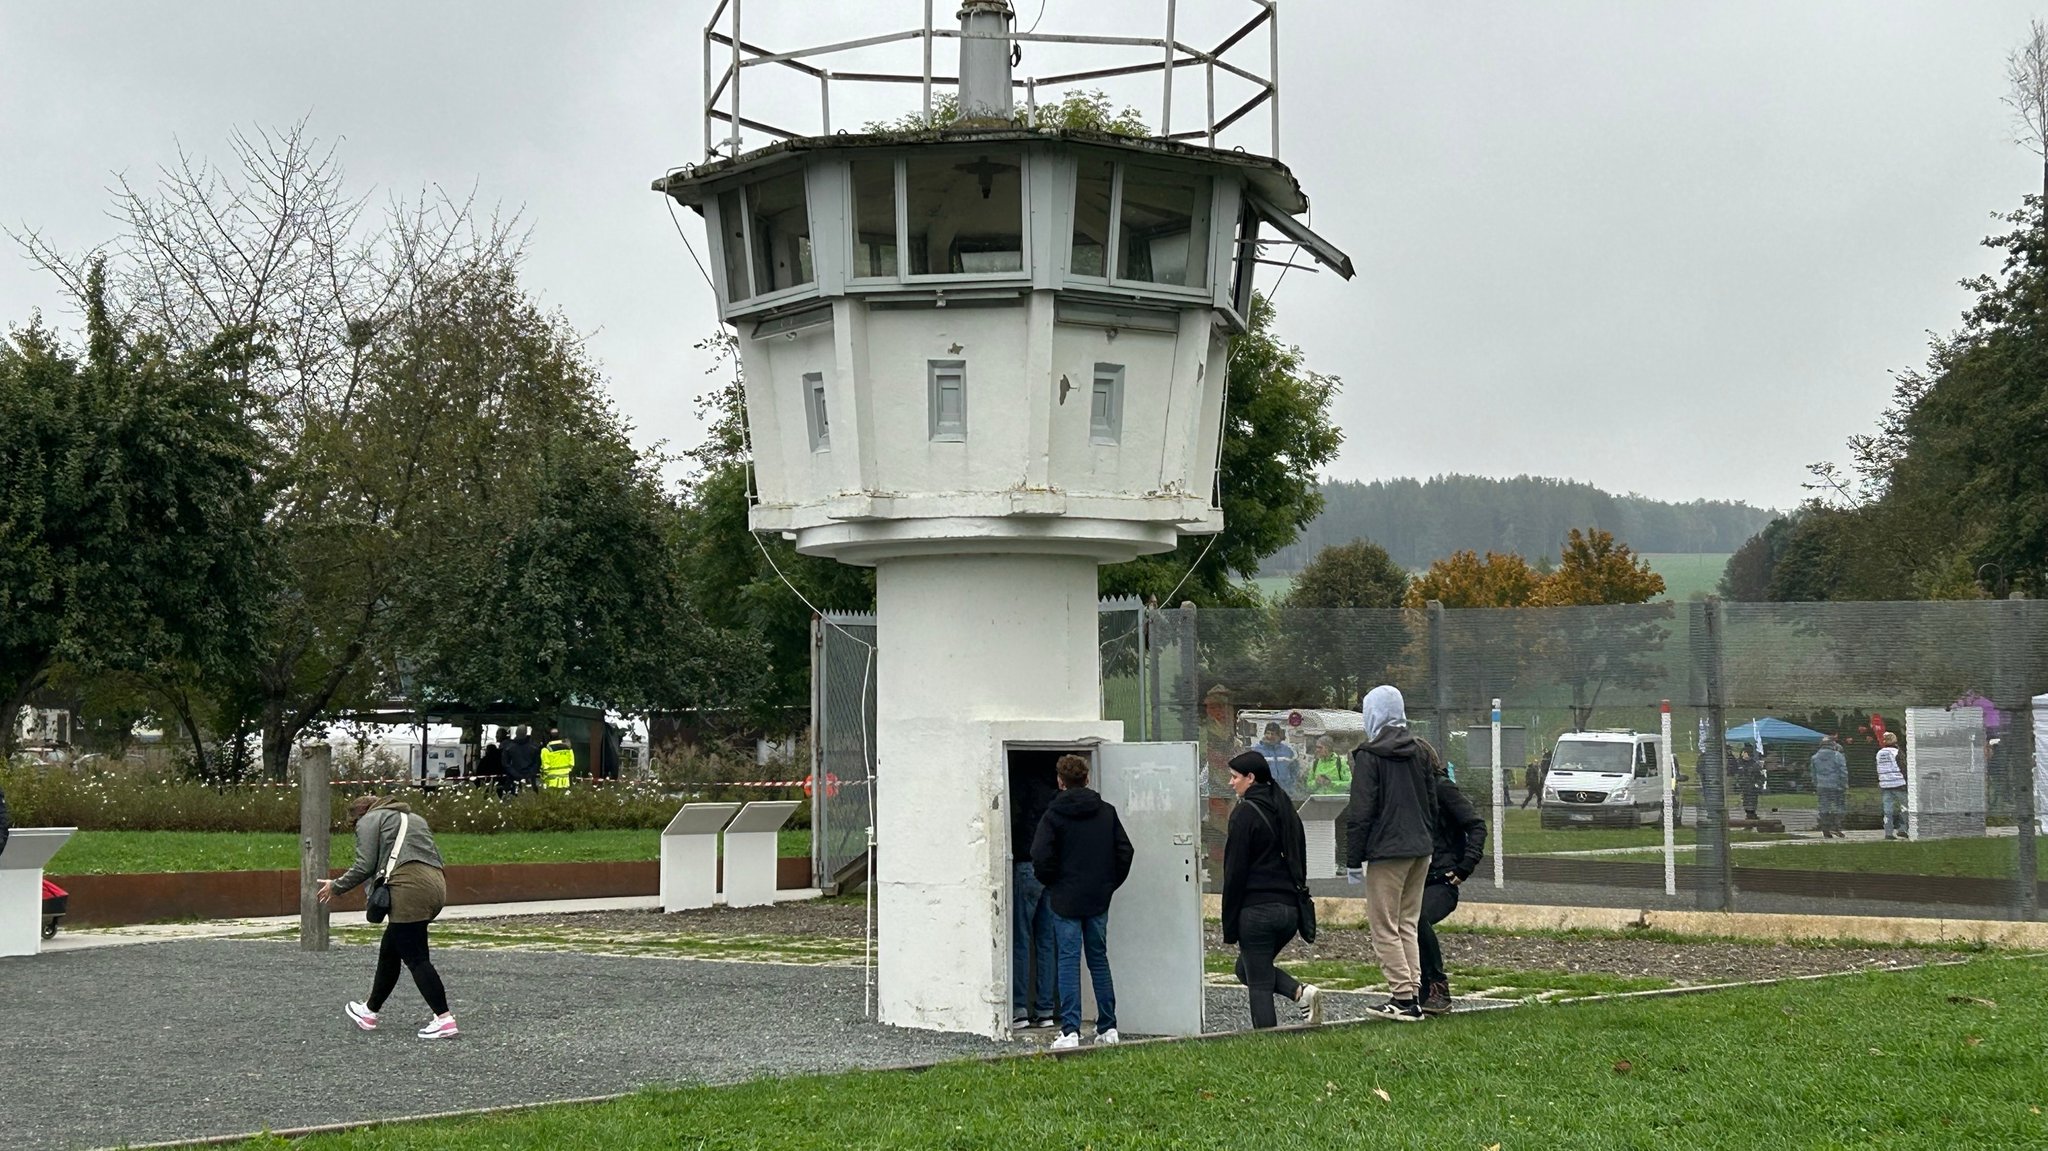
(1297,873)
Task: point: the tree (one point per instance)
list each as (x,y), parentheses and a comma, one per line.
(1354,575)
(1276,434)
(1336,628)
(2026,73)
(1462,579)
(551,571)
(1747,576)
(1591,651)
(130,524)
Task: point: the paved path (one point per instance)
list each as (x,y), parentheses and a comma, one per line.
(195,1037)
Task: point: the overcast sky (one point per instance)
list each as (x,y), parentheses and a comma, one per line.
(1667,248)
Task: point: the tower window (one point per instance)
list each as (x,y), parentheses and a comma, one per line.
(814,412)
(949,400)
(1106,405)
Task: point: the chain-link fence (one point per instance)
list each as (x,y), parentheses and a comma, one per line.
(1763,698)
(842,746)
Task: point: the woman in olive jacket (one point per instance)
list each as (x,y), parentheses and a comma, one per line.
(418,893)
(1264,872)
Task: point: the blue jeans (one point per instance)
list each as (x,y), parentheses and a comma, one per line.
(1894,806)
(1031,940)
(1092,935)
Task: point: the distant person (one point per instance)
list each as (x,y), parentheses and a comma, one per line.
(1532,785)
(396,845)
(1831,788)
(5,826)
(1749,777)
(1265,878)
(1329,773)
(1286,771)
(1082,855)
(1891,787)
(522,761)
(1393,827)
(557,760)
(1460,839)
(492,764)
(1034,953)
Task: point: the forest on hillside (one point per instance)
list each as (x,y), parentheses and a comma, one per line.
(1418,521)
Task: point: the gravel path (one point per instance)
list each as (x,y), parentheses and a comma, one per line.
(174,1040)
(812,919)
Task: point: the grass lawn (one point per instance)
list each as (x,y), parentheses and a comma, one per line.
(118,852)
(1526,835)
(1996,858)
(1935,1058)
(1687,574)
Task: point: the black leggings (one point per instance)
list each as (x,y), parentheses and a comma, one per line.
(1438,900)
(1262,930)
(407,943)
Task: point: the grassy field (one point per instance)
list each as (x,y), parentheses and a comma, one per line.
(1499,982)
(1932,1058)
(1526,835)
(1687,574)
(118,852)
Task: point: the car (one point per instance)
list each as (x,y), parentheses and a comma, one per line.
(1604,779)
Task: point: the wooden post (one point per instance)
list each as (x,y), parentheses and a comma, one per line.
(316,816)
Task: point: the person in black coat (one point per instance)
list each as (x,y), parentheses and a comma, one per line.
(1264,874)
(1460,841)
(491,765)
(1393,827)
(4,825)
(522,761)
(1082,856)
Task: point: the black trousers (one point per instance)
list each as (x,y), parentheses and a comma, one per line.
(1438,901)
(406,943)
(1262,930)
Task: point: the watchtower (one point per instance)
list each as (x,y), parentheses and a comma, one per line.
(984,357)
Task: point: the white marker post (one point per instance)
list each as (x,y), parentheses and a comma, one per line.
(1500,804)
(1670,766)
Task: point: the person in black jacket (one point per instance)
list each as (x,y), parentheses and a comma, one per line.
(1032,948)
(522,761)
(4,825)
(1393,826)
(1082,856)
(491,765)
(1264,873)
(1460,841)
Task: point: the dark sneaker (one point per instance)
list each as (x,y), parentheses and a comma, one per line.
(1397,1011)
(1438,1000)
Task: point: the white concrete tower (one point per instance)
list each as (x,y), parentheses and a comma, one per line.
(984,360)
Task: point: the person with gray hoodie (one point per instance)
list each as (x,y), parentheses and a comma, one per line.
(1393,828)
(390,834)
(1831,788)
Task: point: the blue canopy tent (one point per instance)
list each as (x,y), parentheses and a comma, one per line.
(1773,731)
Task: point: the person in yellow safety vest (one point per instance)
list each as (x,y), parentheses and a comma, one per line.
(557,759)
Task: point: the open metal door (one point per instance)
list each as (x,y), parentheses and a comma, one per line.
(1155,919)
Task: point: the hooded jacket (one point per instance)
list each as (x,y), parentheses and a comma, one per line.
(1393,787)
(1830,769)
(522,758)
(1264,857)
(1080,853)
(1460,835)
(376,831)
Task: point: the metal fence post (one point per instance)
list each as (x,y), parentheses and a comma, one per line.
(1717,881)
(1190,672)
(316,819)
(2015,700)
(1439,680)
(1151,659)
(820,819)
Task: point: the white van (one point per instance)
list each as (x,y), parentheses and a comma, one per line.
(1604,777)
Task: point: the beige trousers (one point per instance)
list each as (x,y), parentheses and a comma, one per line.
(1393,906)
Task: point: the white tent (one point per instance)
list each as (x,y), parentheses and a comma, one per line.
(2041,764)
